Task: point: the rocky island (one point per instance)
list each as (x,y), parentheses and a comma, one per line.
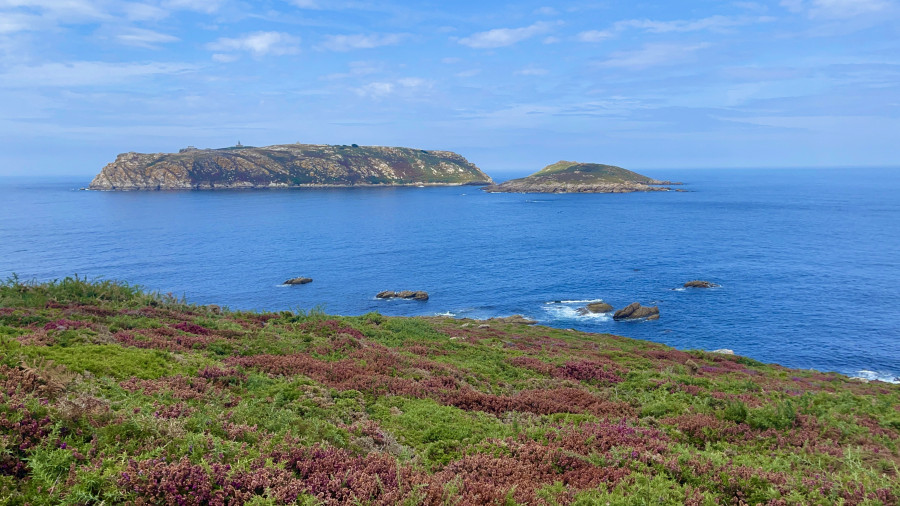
(574,177)
(287,166)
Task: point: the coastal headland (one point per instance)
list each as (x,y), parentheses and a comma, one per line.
(113,395)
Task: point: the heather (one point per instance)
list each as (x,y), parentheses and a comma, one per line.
(110,394)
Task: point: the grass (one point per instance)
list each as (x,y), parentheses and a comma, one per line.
(110,394)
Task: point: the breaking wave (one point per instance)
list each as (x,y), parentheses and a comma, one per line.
(876,376)
(568,310)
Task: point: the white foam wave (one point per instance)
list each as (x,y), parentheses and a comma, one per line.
(682,289)
(586,301)
(876,376)
(560,312)
(448,314)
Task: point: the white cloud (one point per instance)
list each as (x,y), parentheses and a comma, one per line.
(501,37)
(71,10)
(306,4)
(382,89)
(751,6)
(551,40)
(225,57)
(375,90)
(144,38)
(207,6)
(652,55)
(360,41)
(709,23)
(357,69)
(468,73)
(258,43)
(546,11)
(11,22)
(144,12)
(836,9)
(86,73)
(594,36)
(532,71)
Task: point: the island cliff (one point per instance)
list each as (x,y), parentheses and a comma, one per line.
(574,177)
(286,166)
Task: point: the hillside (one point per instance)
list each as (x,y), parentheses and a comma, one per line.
(285,166)
(111,395)
(574,177)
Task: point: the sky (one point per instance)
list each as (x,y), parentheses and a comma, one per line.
(511,86)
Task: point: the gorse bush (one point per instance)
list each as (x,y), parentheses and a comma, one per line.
(110,395)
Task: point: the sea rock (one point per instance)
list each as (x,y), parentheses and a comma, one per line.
(595,307)
(698,283)
(298,281)
(574,177)
(635,310)
(723,351)
(404,294)
(287,166)
(516,318)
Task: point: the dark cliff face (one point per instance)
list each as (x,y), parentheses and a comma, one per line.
(284,166)
(573,177)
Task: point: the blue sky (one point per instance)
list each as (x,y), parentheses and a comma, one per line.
(511,86)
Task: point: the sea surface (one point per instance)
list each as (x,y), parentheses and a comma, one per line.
(808,260)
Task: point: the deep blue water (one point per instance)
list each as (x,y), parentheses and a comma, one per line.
(808,260)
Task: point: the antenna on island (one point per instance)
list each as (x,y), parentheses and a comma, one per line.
(238,144)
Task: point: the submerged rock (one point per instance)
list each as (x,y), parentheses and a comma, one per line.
(595,307)
(635,311)
(298,281)
(698,283)
(404,294)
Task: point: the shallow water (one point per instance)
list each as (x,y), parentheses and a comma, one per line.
(807,259)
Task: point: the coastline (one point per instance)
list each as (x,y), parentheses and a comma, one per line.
(135,396)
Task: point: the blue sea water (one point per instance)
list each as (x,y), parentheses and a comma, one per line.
(808,260)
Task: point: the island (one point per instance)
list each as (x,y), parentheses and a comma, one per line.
(287,166)
(575,177)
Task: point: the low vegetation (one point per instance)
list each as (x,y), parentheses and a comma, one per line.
(109,394)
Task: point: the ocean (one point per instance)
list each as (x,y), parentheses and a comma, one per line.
(808,259)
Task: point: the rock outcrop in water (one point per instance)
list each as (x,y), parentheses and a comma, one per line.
(287,166)
(595,307)
(574,177)
(404,294)
(699,283)
(298,281)
(635,311)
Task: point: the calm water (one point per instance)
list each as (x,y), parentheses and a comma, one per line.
(808,260)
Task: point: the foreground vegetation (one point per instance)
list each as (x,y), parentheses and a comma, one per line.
(112,395)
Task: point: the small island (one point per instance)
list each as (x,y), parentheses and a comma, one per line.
(574,177)
(287,166)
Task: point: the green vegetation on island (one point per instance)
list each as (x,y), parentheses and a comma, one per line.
(286,166)
(110,395)
(574,177)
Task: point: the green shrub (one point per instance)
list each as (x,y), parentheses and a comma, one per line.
(110,360)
